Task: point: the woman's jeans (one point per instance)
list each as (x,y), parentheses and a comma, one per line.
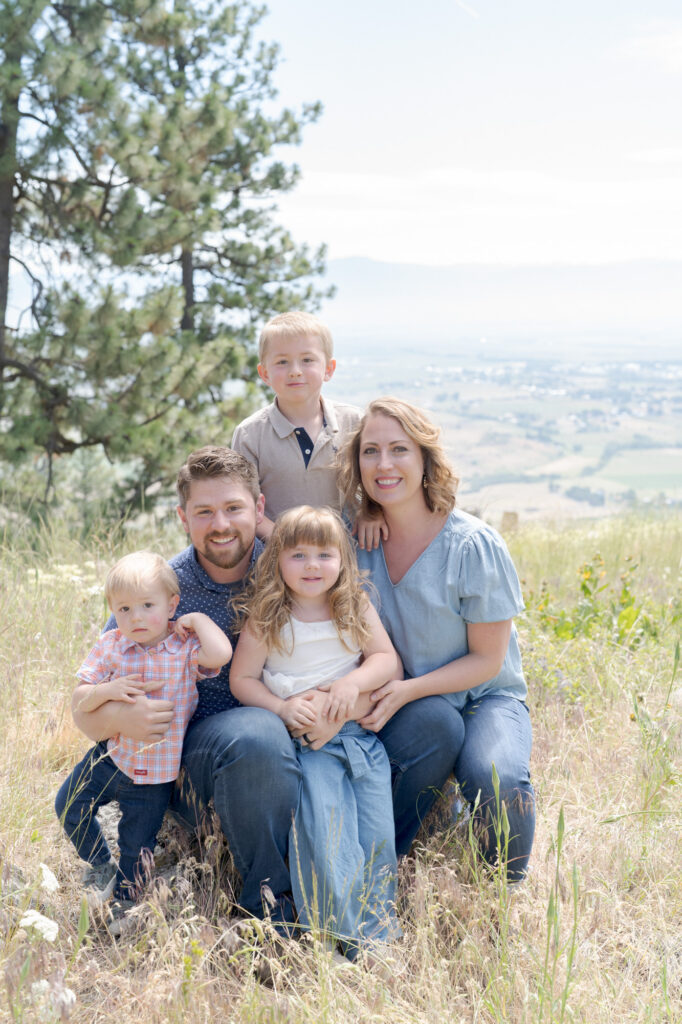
(493,730)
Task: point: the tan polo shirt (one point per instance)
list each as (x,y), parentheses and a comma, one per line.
(268,440)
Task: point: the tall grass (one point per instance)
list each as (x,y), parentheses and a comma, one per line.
(594,934)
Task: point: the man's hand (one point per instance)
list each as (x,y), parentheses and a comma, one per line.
(145,719)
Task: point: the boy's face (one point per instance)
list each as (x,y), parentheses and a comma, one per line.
(142,615)
(296,368)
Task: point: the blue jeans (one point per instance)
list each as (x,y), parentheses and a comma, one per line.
(497,731)
(244,760)
(341,848)
(94,782)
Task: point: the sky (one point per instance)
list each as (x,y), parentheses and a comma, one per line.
(485,131)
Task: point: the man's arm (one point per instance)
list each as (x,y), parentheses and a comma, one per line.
(144,720)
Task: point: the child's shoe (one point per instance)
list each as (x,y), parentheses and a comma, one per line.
(99,881)
(119,919)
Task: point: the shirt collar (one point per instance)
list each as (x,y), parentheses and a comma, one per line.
(169,643)
(284,427)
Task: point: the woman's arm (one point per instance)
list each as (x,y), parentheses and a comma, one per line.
(487,642)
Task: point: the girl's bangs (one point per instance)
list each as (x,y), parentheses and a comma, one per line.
(321,530)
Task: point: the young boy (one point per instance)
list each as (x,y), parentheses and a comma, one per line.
(143,593)
(293,441)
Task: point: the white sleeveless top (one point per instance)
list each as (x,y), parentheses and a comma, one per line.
(318,657)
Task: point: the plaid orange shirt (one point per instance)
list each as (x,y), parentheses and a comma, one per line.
(173,664)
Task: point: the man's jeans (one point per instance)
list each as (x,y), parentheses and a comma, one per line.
(245,761)
(94,782)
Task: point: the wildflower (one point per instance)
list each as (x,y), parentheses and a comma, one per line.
(53,999)
(45,927)
(48,880)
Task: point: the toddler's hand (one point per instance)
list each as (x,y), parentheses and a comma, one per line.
(125,688)
(184,626)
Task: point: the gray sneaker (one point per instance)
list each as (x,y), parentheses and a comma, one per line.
(120,921)
(99,881)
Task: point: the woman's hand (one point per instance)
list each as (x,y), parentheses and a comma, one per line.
(388,699)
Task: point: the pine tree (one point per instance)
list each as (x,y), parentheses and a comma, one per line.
(137,178)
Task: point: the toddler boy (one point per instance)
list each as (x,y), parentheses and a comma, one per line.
(143,593)
(293,441)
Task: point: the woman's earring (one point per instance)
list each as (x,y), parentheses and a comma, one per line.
(425,482)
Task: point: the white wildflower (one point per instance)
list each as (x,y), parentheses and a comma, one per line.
(48,880)
(52,999)
(45,927)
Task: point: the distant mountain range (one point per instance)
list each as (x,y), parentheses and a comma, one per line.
(627,310)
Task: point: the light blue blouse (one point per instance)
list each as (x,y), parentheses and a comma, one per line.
(465,575)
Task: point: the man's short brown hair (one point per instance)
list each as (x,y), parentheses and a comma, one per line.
(211,462)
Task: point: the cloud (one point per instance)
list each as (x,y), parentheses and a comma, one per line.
(663,155)
(659,45)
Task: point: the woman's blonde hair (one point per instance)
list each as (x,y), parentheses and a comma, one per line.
(440,482)
(267,602)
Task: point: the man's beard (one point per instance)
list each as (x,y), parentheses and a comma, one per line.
(225,559)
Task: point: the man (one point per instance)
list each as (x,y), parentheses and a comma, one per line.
(228,751)
(243,758)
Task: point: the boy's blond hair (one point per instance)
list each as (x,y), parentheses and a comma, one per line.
(295,324)
(266,602)
(137,571)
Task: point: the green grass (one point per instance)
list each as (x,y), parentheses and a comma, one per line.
(592,936)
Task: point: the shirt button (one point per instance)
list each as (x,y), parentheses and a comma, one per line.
(307,451)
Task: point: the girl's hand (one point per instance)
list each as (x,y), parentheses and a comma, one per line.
(388,699)
(297,714)
(340,700)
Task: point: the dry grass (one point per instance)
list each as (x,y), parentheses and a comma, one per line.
(595,934)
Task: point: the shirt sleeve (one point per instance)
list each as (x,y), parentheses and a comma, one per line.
(240,444)
(94,669)
(198,671)
(489,584)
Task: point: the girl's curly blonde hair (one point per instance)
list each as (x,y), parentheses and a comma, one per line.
(440,482)
(266,602)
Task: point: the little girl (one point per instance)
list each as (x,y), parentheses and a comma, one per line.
(307,623)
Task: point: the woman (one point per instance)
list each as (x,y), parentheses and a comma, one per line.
(447,591)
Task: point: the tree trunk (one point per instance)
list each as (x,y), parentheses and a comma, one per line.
(187,264)
(8,154)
